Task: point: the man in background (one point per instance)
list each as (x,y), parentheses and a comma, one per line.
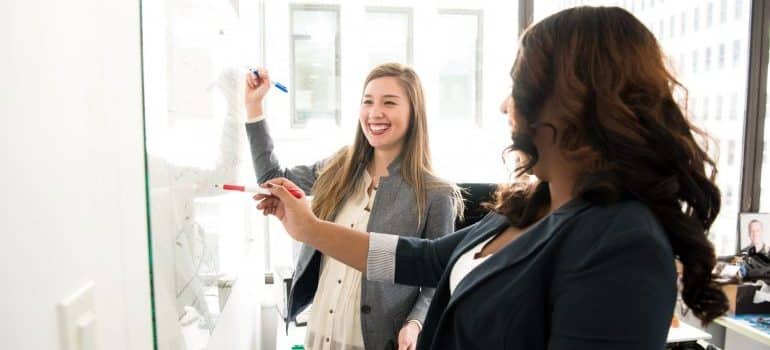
(757,245)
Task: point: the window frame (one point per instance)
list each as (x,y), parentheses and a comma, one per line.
(478,74)
(756,99)
(409,12)
(296,124)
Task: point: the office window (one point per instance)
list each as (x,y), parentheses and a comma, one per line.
(661,30)
(721,58)
(718,108)
(388,35)
(692,108)
(736,52)
(709,14)
(315,48)
(673,26)
(723,11)
(707,56)
(459,75)
(733,106)
(682,62)
(738,9)
(696,19)
(730,152)
(683,25)
(705,112)
(695,61)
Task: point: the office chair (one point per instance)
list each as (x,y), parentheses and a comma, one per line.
(474,194)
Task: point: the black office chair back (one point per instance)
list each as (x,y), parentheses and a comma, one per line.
(474,194)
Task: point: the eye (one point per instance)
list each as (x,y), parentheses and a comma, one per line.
(366,102)
(390,103)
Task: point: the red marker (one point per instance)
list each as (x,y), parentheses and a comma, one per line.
(258,190)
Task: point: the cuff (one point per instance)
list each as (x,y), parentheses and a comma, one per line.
(381,260)
(256,119)
(417,322)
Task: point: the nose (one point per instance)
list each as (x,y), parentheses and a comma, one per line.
(375,112)
(505,105)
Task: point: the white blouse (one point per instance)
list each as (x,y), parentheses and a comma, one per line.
(467,263)
(335,317)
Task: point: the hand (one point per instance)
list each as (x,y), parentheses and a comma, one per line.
(294,213)
(256,88)
(407,337)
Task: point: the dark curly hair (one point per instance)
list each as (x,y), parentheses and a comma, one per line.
(605,75)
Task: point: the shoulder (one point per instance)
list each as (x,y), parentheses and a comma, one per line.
(440,188)
(625,214)
(622,224)
(444,196)
(623,235)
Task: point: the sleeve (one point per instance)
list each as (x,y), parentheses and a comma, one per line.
(618,293)
(410,260)
(266,164)
(440,220)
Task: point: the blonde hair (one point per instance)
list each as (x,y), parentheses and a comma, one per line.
(338,179)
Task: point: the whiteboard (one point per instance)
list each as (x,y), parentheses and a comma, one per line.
(202,240)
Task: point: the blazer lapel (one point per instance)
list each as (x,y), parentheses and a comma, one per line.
(490,225)
(524,246)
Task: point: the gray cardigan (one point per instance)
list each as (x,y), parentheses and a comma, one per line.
(384,306)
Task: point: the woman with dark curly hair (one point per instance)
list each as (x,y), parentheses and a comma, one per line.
(582,256)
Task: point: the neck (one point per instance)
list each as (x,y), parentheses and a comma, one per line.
(561,191)
(381,160)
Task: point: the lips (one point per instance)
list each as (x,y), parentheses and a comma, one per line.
(378,128)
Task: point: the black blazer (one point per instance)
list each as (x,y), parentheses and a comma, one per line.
(585,277)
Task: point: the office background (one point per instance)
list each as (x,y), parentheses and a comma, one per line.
(96,95)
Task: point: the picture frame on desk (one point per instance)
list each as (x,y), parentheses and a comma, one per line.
(753,228)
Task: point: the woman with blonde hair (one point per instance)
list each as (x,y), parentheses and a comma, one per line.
(383,182)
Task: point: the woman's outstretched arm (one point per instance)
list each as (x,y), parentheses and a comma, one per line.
(342,243)
(379,256)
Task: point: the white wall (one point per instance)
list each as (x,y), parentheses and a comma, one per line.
(73,196)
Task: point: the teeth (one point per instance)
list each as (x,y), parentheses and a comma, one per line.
(378,127)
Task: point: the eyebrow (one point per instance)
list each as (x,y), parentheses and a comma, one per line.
(385,96)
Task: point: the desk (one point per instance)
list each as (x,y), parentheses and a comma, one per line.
(743,327)
(685,334)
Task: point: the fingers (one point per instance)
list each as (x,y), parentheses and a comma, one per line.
(259,197)
(403,340)
(268,207)
(288,185)
(280,181)
(264,76)
(269,202)
(253,82)
(281,192)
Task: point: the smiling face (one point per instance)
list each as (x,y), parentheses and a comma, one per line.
(385,113)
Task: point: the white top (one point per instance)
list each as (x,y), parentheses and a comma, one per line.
(335,318)
(467,263)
